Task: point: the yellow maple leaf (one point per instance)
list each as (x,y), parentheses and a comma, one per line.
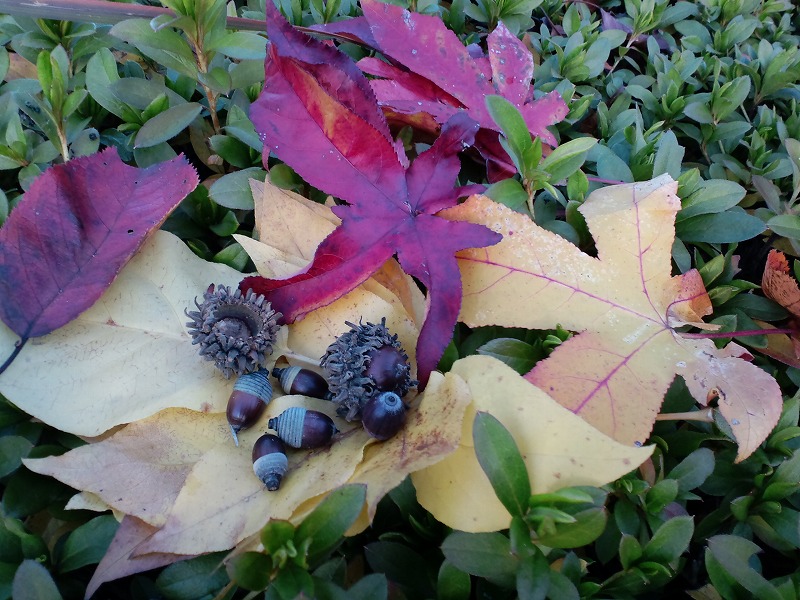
(626,305)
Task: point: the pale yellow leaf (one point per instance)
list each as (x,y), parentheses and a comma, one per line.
(222,502)
(129,355)
(432,432)
(559,449)
(624,304)
(140,469)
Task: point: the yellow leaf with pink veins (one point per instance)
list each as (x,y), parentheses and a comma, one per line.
(624,303)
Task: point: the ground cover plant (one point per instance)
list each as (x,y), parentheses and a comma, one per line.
(575,219)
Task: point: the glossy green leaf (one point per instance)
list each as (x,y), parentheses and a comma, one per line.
(486,555)
(693,470)
(588,526)
(517,354)
(452,583)
(250,570)
(733,225)
(233,190)
(500,459)
(785,225)
(670,540)
(567,158)
(728,563)
(198,578)
(32,581)
(167,124)
(87,544)
(326,524)
(13,449)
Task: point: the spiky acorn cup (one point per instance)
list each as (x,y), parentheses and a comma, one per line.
(235,330)
(362,363)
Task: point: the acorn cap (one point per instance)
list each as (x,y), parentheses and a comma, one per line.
(347,361)
(233,329)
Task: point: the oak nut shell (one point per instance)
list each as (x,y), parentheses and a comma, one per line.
(250,396)
(302,428)
(235,330)
(295,380)
(363,362)
(384,415)
(269,460)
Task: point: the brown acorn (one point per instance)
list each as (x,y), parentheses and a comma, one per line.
(305,382)
(363,362)
(234,330)
(269,460)
(301,428)
(251,394)
(384,415)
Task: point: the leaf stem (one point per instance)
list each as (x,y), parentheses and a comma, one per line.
(706,416)
(17,349)
(729,334)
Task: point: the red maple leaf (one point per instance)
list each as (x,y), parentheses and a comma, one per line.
(439,76)
(77,226)
(318,114)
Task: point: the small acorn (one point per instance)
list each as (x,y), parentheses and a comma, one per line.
(301,428)
(384,415)
(306,382)
(269,460)
(251,394)
(363,362)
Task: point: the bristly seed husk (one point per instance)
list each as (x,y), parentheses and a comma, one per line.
(233,329)
(347,361)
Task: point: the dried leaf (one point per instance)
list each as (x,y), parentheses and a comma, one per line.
(559,449)
(78,225)
(318,114)
(778,283)
(118,561)
(129,355)
(625,303)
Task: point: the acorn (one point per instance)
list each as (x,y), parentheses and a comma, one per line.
(234,330)
(305,382)
(363,362)
(301,428)
(384,415)
(269,460)
(251,394)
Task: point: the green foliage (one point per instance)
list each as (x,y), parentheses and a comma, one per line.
(706,91)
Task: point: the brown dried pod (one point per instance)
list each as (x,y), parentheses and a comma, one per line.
(302,428)
(251,394)
(234,330)
(305,382)
(269,460)
(384,415)
(363,362)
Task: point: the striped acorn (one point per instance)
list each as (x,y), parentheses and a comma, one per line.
(302,428)
(269,460)
(305,382)
(384,415)
(251,394)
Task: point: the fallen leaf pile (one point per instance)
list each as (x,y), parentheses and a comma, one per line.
(626,305)
(173,474)
(318,114)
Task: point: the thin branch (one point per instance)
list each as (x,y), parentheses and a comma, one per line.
(101,11)
(730,334)
(705,416)
(17,349)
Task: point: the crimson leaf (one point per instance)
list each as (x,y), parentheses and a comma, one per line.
(77,226)
(318,114)
(440,77)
